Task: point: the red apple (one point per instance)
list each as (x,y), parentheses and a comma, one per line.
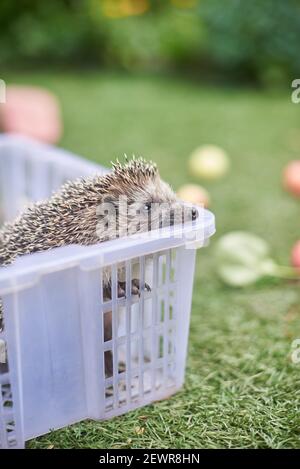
(291,178)
(295,257)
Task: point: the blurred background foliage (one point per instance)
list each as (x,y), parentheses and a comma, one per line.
(254,41)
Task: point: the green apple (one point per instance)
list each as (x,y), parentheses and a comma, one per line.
(208,162)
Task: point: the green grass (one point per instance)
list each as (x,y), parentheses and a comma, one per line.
(241,388)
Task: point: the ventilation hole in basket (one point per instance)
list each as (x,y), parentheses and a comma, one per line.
(134,318)
(3,351)
(106,285)
(121,283)
(134,354)
(147,382)
(154,285)
(171,343)
(149,270)
(171,311)
(161,346)
(147,319)
(10,426)
(12,441)
(174,347)
(122,392)
(135,275)
(2,325)
(109,406)
(173,265)
(121,321)
(6,395)
(122,358)
(108,363)
(6,391)
(172,275)
(147,349)
(109,395)
(134,388)
(114,282)
(10,432)
(162,269)
(8,404)
(4,368)
(171,378)
(158,378)
(107,326)
(162,310)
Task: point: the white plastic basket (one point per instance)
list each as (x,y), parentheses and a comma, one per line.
(54,311)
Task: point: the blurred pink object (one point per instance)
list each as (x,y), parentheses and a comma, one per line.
(33,112)
(295,257)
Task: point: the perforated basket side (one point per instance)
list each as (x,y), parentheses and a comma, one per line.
(139,357)
(11,416)
(67,366)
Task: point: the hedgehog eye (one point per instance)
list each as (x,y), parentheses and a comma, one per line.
(147,207)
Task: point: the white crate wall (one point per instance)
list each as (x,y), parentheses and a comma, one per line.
(31,171)
(55,308)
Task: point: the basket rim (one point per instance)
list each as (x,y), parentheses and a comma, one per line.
(27,269)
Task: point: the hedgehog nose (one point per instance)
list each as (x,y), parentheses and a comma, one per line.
(194,213)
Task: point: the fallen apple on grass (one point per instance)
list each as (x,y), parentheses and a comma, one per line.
(194,194)
(208,162)
(291,178)
(295,258)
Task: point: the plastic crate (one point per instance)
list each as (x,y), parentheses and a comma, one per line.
(54,311)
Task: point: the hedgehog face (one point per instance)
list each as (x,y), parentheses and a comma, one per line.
(151,206)
(136,200)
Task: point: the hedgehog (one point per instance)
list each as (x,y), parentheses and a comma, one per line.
(72,216)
